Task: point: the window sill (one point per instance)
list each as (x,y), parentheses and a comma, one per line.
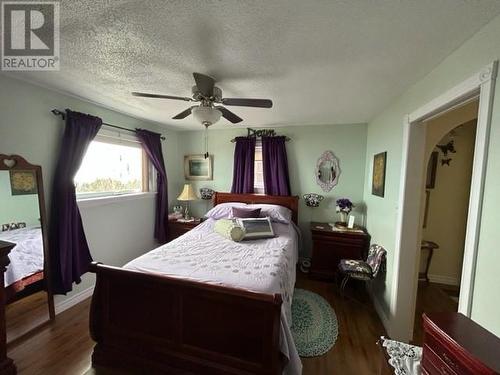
(100,201)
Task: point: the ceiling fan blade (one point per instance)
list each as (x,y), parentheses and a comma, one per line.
(205,84)
(183,114)
(260,103)
(230,116)
(146,95)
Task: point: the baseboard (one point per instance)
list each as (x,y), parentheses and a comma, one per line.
(380,311)
(73,300)
(446,280)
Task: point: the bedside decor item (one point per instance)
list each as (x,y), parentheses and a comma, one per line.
(314,324)
(187,195)
(206,193)
(378,178)
(344,206)
(313,199)
(198,168)
(327,171)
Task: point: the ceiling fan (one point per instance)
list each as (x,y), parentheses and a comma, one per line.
(208,95)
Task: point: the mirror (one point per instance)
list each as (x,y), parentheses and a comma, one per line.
(327,171)
(23,222)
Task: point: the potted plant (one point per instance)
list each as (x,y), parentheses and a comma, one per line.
(344,207)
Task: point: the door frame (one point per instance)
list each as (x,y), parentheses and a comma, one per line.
(411,195)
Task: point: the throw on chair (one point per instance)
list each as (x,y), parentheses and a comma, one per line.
(360,270)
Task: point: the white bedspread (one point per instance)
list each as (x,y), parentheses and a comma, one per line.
(264,266)
(26,258)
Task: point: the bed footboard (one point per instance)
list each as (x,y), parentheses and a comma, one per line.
(169,325)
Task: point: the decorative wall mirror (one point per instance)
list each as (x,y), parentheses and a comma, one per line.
(29,302)
(327,171)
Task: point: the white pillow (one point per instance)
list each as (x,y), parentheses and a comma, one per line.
(223,210)
(277,213)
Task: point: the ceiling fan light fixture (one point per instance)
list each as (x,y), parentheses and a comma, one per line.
(206,115)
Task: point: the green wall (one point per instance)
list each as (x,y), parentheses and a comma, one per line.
(117,232)
(17,208)
(385,133)
(348,142)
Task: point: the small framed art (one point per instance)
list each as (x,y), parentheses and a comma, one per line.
(198,168)
(378,178)
(23,182)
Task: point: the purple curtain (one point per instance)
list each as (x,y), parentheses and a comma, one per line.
(275,166)
(70,255)
(243,169)
(151,142)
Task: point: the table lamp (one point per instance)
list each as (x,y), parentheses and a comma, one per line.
(187,195)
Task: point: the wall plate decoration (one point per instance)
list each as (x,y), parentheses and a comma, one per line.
(198,168)
(327,171)
(378,178)
(23,182)
(206,193)
(313,199)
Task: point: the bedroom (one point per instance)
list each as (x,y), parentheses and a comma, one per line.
(341,77)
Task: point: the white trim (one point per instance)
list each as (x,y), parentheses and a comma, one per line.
(74,300)
(408,230)
(100,201)
(446,280)
(476,192)
(378,308)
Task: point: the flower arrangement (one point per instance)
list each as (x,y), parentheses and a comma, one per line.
(344,205)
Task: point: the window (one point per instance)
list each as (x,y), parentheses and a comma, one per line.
(258,181)
(113,165)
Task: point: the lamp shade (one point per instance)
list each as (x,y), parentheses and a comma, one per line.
(188,194)
(206,115)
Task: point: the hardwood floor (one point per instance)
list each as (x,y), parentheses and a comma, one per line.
(64,347)
(25,315)
(431,297)
(355,351)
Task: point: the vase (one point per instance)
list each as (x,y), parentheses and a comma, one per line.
(343,217)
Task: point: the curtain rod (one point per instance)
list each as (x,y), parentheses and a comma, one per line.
(259,133)
(57,112)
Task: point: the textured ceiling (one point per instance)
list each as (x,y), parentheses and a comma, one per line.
(321,62)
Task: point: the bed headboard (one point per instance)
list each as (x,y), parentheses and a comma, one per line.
(291,202)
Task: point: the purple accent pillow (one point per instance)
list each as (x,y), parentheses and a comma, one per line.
(245,213)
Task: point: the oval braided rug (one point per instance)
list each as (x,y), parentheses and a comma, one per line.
(314,324)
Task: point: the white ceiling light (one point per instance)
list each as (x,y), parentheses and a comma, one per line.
(206,115)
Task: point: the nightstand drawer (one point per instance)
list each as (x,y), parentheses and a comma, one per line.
(435,365)
(329,247)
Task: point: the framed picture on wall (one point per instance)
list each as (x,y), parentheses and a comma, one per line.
(23,182)
(378,178)
(431,171)
(197,168)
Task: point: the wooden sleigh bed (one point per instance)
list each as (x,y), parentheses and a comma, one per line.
(143,321)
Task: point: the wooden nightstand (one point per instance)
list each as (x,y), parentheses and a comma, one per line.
(330,246)
(178,228)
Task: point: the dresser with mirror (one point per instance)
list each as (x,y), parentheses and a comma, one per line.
(26,300)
